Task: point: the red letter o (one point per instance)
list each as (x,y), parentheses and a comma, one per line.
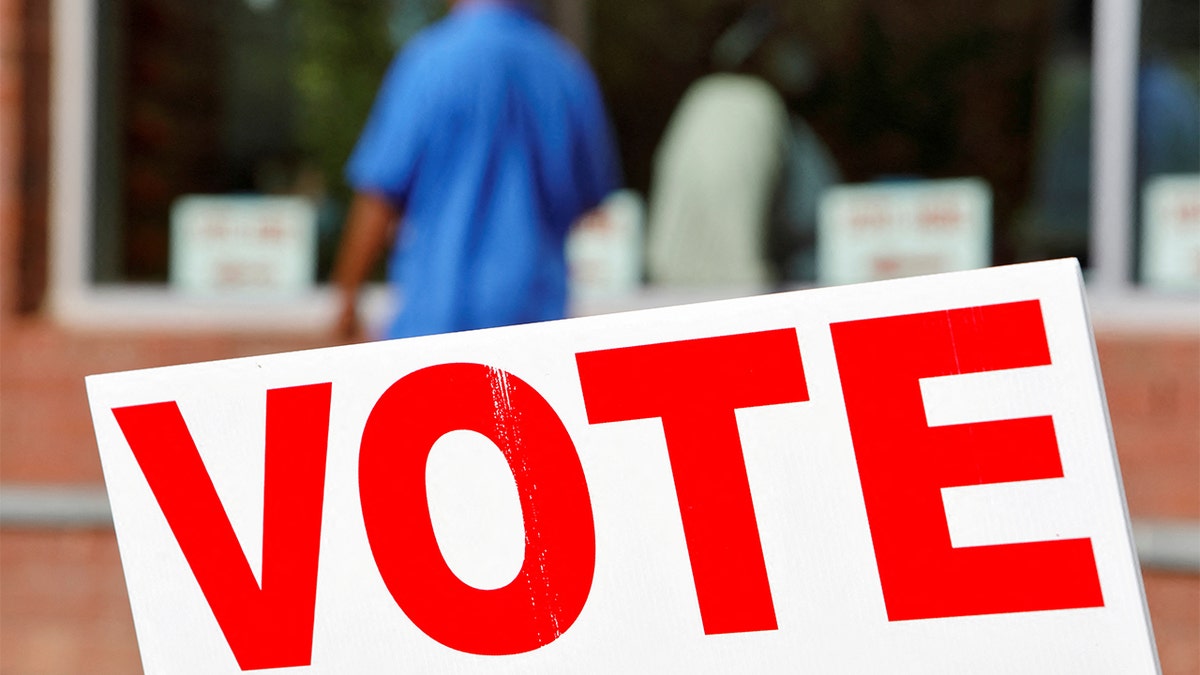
(552,586)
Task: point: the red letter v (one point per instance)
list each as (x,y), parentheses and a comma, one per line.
(271,626)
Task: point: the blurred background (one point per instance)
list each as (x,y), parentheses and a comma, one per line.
(171,191)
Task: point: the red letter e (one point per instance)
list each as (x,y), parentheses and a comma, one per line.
(904,463)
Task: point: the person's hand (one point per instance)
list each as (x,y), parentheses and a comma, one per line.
(369,230)
(346,327)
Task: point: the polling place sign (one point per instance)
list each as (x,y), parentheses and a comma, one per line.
(243,245)
(912,476)
(1171,232)
(903,228)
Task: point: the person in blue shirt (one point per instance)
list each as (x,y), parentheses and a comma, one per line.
(487,140)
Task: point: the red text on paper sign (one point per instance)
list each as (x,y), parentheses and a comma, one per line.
(694,387)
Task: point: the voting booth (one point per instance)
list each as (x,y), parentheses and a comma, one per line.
(910,476)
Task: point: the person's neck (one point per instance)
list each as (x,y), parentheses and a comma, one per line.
(464,4)
(526,7)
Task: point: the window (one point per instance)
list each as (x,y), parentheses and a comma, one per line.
(1167,147)
(249,97)
(157,99)
(896,91)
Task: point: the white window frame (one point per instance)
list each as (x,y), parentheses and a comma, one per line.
(1115,30)
(1116,302)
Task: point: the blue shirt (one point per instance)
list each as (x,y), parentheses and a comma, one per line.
(490,135)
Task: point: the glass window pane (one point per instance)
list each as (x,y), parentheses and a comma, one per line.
(1167,172)
(893,91)
(246,97)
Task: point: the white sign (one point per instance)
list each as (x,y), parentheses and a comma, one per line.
(243,244)
(1171,232)
(915,476)
(890,230)
(604,250)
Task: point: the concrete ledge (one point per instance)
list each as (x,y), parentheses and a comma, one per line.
(1168,545)
(1165,545)
(54,508)
(157,307)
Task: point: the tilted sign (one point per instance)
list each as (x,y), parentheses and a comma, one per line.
(910,476)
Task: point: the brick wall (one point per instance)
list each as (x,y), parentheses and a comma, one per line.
(63,608)
(1153,389)
(24,152)
(63,605)
(11,45)
(62,600)
(1152,382)
(45,426)
(31,268)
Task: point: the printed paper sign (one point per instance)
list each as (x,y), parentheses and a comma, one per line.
(604,250)
(243,244)
(1171,232)
(914,476)
(889,230)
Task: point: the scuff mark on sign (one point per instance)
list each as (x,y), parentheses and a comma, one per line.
(534,573)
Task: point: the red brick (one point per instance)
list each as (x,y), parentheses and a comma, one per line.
(1153,389)
(1174,601)
(11,135)
(63,605)
(45,424)
(64,608)
(11,28)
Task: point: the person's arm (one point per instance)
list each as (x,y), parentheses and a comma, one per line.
(370,228)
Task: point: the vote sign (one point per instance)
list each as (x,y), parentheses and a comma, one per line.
(908,476)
